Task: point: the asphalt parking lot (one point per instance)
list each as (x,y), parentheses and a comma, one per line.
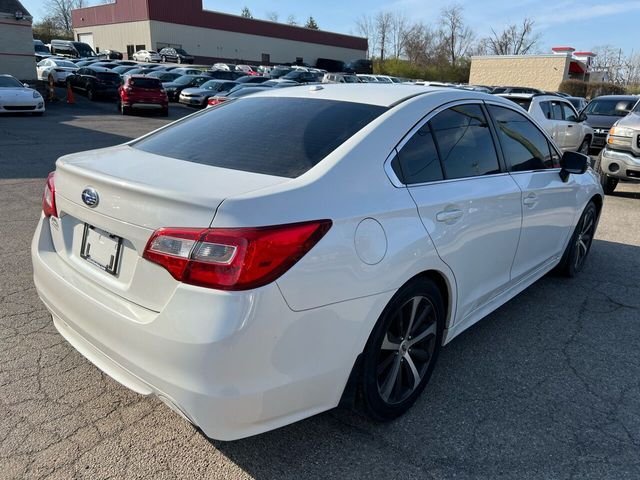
(548,386)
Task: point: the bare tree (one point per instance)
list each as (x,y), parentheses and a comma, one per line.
(420,44)
(513,40)
(456,37)
(384,21)
(291,20)
(246,13)
(60,13)
(397,34)
(272,16)
(366,27)
(609,60)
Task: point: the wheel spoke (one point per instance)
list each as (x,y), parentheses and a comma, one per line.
(420,320)
(387,344)
(587,226)
(382,366)
(414,309)
(430,330)
(583,247)
(418,354)
(414,371)
(390,381)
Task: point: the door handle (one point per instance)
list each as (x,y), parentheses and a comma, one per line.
(570,126)
(530,200)
(449,215)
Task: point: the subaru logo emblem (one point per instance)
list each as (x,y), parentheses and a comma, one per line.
(90,197)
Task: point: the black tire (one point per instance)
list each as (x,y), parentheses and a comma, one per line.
(584,146)
(164,59)
(385,368)
(608,183)
(125,110)
(90,94)
(577,251)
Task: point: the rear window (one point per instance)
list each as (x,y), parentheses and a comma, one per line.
(145,82)
(284,137)
(523,102)
(108,76)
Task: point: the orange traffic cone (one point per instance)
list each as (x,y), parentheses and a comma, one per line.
(70,99)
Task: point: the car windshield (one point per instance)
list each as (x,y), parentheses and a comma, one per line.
(41,48)
(184,80)
(10,82)
(610,107)
(122,69)
(64,63)
(249,130)
(350,79)
(84,50)
(212,85)
(181,51)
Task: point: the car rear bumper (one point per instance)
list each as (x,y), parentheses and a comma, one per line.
(621,165)
(233,363)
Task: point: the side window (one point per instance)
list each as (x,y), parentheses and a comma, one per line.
(556,111)
(417,161)
(464,141)
(524,146)
(569,114)
(546,109)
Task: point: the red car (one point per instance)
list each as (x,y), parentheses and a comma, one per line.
(143,93)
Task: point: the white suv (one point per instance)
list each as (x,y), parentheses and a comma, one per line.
(559,118)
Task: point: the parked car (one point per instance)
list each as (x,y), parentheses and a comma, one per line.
(16,97)
(175,87)
(224,74)
(177,55)
(247,70)
(252,79)
(620,159)
(559,118)
(279,71)
(142,70)
(359,66)
(142,93)
(197,265)
(578,102)
(186,71)
(198,96)
(164,76)
(146,56)
(388,79)
(112,54)
(41,50)
(364,78)
(95,82)
(109,65)
(83,62)
(602,112)
(55,69)
(516,90)
(223,66)
(69,48)
(122,69)
(340,78)
(129,63)
(279,83)
(301,76)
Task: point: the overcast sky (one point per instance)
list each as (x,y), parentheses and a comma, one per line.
(581,24)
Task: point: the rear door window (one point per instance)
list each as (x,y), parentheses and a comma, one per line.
(568,113)
(277,136)
(465,143)
(546,109)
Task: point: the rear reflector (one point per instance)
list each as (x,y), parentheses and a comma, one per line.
(49,197)
(233,258)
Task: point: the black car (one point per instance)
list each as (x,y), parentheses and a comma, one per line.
(174,88)
(603,112)
(164,76)
(362,66)
(278,72)
(301,76)
(224,75)
(95,82)
(177,55)
(122,69)
(112,54)
(252,79)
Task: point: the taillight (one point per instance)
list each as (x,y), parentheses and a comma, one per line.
(213,101)
(49,197)
(233,258)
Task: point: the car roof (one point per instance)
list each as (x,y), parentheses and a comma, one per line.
(385,95)
(616,97)
(100,69)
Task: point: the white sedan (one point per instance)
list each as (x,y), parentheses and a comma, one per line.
(146,56)
(253,264)
(18,98)
(57,69)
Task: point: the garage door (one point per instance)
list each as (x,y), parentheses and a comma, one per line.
(86,38)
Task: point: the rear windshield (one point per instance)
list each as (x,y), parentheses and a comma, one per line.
(277,136)
(523,102)
(145,82)
(610,107)
(112,77)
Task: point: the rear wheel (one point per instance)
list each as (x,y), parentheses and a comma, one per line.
(402,350)
(579,246)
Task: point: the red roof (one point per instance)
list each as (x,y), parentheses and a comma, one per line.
(563,49)
(584,54)
(190,12)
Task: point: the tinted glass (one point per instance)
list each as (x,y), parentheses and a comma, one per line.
(417,161)
(464,141)
(10,82)
(546,109)
(524,146)
(556,111)
(569,114)
(523,102)
(64,63)
(274,136)
(610,107)
(145,82)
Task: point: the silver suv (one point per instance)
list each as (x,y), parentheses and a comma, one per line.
(620,159)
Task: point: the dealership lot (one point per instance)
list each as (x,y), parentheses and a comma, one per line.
(545,387)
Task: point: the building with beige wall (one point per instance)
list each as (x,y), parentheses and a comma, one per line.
(545,72)
(17,56)
(132,25)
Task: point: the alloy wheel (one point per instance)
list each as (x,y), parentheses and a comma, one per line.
(584,238)
(407,350)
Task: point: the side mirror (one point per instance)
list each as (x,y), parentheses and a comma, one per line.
(582,117)
(26,85)
(573,162)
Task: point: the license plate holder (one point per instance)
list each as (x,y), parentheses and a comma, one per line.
(101,249)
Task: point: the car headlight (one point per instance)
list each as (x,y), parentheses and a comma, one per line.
(621,132)
(36,95)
